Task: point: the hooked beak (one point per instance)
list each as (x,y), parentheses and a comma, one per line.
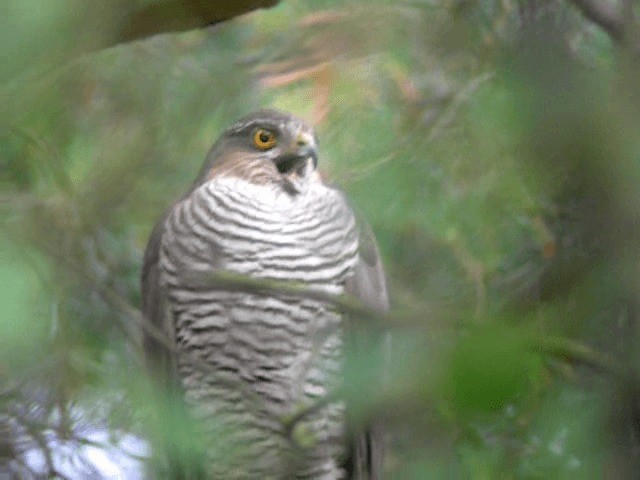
(296,157)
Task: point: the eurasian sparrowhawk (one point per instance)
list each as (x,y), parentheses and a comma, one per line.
(241,360)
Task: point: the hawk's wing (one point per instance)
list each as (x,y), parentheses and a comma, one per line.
(158,331)
(183,459)
(369,286)
(368,282)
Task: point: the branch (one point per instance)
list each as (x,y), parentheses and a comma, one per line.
(565,349)
(181,15)
(291,421)
(558,347)
(604,15)
(347,304)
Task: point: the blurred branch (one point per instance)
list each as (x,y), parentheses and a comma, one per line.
(179,15)
(474,269)
(575,352)
(346,304)
(603,14)
(358,174)
(455,103)
(562,348)
(114,22)
(619,23)
(52,166)
(290,422)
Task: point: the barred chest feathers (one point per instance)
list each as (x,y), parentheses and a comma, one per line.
(286,351)
(263,231)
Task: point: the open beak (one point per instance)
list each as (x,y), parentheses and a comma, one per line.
(296,158)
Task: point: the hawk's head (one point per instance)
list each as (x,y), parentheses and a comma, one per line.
(267,146)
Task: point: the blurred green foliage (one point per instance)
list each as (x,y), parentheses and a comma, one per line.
(492,145)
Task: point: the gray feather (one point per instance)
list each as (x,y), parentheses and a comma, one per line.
(368,285)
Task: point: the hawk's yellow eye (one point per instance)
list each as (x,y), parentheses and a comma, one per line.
(264,139)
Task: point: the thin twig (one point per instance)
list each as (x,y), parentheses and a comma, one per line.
(459,98)
(224,280)
(569,350)
(289,422)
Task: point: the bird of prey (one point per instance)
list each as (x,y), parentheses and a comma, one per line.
(243,361)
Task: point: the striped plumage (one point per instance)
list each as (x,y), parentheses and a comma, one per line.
(244,362)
